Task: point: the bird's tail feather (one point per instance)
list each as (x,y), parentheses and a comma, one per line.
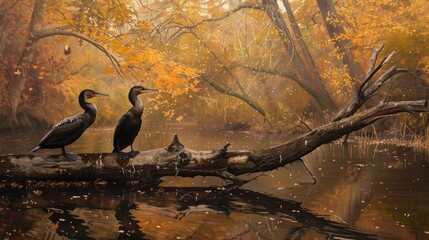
(35,149)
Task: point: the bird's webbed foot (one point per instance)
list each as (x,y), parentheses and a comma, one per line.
(122,156)
(71,157)
(133,153)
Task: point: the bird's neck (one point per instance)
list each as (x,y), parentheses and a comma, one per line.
(138,106)
(89,108)
(137,103)
(133,97)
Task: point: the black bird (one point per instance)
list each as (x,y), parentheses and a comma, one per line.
(129,125)
(70,129)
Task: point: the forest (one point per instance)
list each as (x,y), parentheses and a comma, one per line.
(249,93)
(269,66)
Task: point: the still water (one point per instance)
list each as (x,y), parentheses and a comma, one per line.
(363,192)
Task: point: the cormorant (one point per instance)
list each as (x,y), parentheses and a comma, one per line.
(70,129)
(129,125)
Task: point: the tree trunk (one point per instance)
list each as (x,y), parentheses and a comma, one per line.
(313,82)
(335,30)
(311,66)
(17,85)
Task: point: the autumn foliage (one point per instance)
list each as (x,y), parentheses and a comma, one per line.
(214,62)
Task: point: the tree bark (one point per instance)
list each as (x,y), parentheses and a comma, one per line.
(17,85)
(335,31)
(311,66)
(312,80)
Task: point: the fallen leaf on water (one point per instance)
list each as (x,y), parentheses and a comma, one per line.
(37,192)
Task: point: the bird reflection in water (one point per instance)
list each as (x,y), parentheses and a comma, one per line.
(129,228)
(206,210)
(67,224)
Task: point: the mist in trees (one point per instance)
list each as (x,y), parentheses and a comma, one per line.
(273,65)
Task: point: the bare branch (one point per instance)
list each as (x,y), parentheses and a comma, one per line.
(58,32)
(374,58)
(298,117)
(183,27)
(73,73)
(370,91)
(230,92)
(228,14)
(374,71)
(243,96)
(274,72)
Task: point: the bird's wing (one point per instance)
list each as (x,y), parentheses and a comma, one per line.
(120,126)
(69,121)
(118,130)
(70,124)
(64,128)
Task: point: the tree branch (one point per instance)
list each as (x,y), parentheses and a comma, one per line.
(374,58)
(60,31)
(224,66)
(298,117)
(375,70)
(232,93)
(275,72)
(73,73)
(365,93)
(243,96)
(228,14)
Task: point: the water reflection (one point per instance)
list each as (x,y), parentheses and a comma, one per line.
(129,226)
(67,224)
(165,213)
(376,189)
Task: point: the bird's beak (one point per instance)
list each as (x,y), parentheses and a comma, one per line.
(97,94)
(148,90)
